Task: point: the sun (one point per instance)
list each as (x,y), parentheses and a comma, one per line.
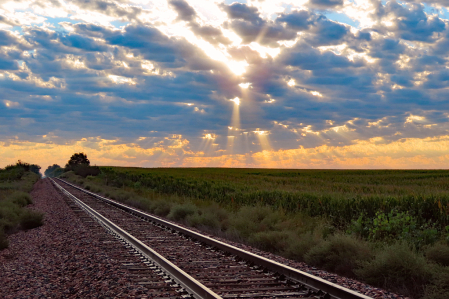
(237,67)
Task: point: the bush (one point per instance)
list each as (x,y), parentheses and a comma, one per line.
(20,198)
(121,195)
(85,170)
(204,220)
(438,253)
(31,219)
(212,217)
(251,220)
(180,212)
(9,215)
(160,207)
(3,240)
(439,288)
(399,268)
(298,246)
(340,254)
(273,241)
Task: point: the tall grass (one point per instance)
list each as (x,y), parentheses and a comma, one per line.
(15,183)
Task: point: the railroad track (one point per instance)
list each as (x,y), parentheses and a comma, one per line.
(196,266)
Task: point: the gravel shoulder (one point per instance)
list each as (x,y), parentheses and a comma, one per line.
(62,258)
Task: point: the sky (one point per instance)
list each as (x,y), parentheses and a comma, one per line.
(209,83)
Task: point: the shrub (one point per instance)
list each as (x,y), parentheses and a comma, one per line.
(160,207)
(9,215)
(180,212)
(212,217)
(139,203)
(121,195)
(20,198)
(250,220)
(299,245)
(439,288)
(340,254)
(203,220)
(3,240)
(31,219)
(438,253)
(86,170)
(273,241)
(399,268)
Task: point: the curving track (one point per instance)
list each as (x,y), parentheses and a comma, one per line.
(196,265)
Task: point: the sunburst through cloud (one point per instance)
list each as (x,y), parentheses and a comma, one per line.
(223,83)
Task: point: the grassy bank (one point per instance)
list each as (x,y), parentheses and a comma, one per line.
(388,228)
(16,181)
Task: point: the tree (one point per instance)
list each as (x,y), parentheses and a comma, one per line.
(77,160)
(53,171)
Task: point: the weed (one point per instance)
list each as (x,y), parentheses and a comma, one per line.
(3,240)
(160,207)
(340,254)
(399,268)
(273,241)
(31,219)
(251,220)
(180,212)
(438,253)
(204,220)
(299,245)
(20,198)
(439,287)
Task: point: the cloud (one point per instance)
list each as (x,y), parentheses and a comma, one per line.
(247,24)
(184,10)
(325,4)
(307,74)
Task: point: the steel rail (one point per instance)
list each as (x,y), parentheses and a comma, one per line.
(334,290)
(188,282)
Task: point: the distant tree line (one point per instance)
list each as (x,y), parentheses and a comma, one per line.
(21,167)
(78,163)
(54,171)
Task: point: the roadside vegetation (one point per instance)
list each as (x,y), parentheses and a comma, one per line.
(16,181)
(389,228)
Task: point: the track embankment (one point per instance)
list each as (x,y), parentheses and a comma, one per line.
(65,258)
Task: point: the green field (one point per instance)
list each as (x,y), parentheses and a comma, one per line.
(389,228)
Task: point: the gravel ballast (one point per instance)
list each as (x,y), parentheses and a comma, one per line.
(62,258)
